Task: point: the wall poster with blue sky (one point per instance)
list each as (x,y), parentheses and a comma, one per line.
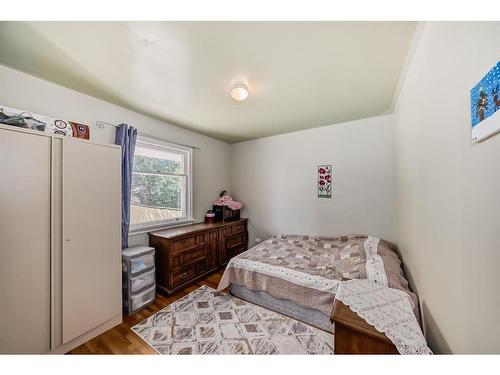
(485,102)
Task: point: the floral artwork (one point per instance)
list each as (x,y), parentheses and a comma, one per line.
(485,102)
(324,181)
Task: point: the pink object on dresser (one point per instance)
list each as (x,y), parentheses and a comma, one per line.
(226,200)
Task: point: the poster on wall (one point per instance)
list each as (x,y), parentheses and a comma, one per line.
(325,181)
(28,120)
(485,103)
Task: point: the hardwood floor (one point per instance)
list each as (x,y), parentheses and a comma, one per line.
(122,340)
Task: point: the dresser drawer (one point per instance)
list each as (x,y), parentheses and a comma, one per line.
(189,256)
(186,273)
(231,253)
(179,245)
(227,231)
(188,242)
(239,228)
(236,240)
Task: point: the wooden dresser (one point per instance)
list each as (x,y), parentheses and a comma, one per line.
(353,335)
(189,253)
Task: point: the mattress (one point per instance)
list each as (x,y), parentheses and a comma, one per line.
(286,307)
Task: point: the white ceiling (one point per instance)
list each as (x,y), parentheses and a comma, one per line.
(300,74)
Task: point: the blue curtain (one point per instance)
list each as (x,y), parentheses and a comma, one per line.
(126,137)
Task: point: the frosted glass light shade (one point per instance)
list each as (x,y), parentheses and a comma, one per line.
(239,92)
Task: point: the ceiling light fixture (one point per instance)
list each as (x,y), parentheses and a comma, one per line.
(239,92)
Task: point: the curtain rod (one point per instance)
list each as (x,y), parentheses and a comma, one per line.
(102,124)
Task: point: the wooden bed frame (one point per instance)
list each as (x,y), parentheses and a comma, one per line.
(353,335)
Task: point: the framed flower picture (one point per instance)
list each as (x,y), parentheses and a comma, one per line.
(325,181)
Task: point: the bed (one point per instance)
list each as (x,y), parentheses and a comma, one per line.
(298,275)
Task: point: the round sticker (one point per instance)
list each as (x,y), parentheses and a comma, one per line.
(60,124)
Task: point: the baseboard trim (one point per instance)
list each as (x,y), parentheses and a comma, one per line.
(62,349)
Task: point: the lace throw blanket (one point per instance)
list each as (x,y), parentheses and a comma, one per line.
(389,310)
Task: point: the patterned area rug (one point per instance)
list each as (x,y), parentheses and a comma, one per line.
(210,322)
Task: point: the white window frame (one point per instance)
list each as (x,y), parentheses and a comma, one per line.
(188,157)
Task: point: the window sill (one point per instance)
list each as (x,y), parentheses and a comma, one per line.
(150,228)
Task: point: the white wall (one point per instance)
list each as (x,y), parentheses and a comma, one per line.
(448,189)
(211,163)
(276,179)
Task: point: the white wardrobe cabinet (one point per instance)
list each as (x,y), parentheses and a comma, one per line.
(60,241)
(24,243)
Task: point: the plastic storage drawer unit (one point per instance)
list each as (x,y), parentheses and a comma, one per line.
(138,265)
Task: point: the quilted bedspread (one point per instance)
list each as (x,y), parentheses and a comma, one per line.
(308,270)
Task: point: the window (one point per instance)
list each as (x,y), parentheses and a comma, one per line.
(161,185)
